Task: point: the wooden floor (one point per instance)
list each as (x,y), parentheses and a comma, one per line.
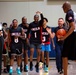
(52,69)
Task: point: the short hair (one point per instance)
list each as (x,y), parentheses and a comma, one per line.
(14,20)
(36,15)
(4,24)
(45,19)
(61,18)
(67,5)
(23,17)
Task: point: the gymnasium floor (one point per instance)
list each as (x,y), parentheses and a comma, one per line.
(52,69)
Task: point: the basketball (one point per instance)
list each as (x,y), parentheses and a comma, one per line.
(60,33)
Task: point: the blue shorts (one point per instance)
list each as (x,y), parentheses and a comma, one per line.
(46,48)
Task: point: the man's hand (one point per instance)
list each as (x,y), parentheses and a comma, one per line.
(51,33)
(62,38)
(38,12)
(9,49)
(1,32)
(48,30)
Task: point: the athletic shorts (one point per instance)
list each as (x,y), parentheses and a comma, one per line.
(16,48)
(69,48)
(4,52)
(25,45)
(4,49)
(46,48)
(35,46)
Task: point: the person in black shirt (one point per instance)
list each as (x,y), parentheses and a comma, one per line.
(68,46)
(47,35)
(15,35)
(35,39)
(5,35)
(1,46)
(25,41)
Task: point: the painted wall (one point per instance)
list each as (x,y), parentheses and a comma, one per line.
(51,9)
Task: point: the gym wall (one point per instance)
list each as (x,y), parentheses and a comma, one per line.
(16,9)
(52,9)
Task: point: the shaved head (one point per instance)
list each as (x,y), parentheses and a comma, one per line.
(24,18)
(66,6)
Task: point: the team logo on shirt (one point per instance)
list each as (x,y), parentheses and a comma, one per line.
(44,33)
(70,18)
(35,29)
(15,34)
(25,30)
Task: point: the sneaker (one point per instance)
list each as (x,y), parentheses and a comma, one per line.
(18,71)
(31,66)
(40,65)
(8,67)
(60,72)
(37,68)
(5,71)
(46,69)
(26,68)
(10,71)
(21,67)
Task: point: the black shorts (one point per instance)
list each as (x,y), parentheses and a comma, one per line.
(25,45)
(4,52)
(4,49)
(69,47)
(16,48)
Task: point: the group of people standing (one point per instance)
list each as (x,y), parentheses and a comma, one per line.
(37,35)
(23,37)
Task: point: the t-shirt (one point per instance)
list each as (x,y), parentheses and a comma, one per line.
(35,31)
(14,33)
(26,29)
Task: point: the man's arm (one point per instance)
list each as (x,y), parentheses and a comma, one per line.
(22,36)
(6,35)
(52,34)
(53,43)
(9,40)
(42,17)
(72,27)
